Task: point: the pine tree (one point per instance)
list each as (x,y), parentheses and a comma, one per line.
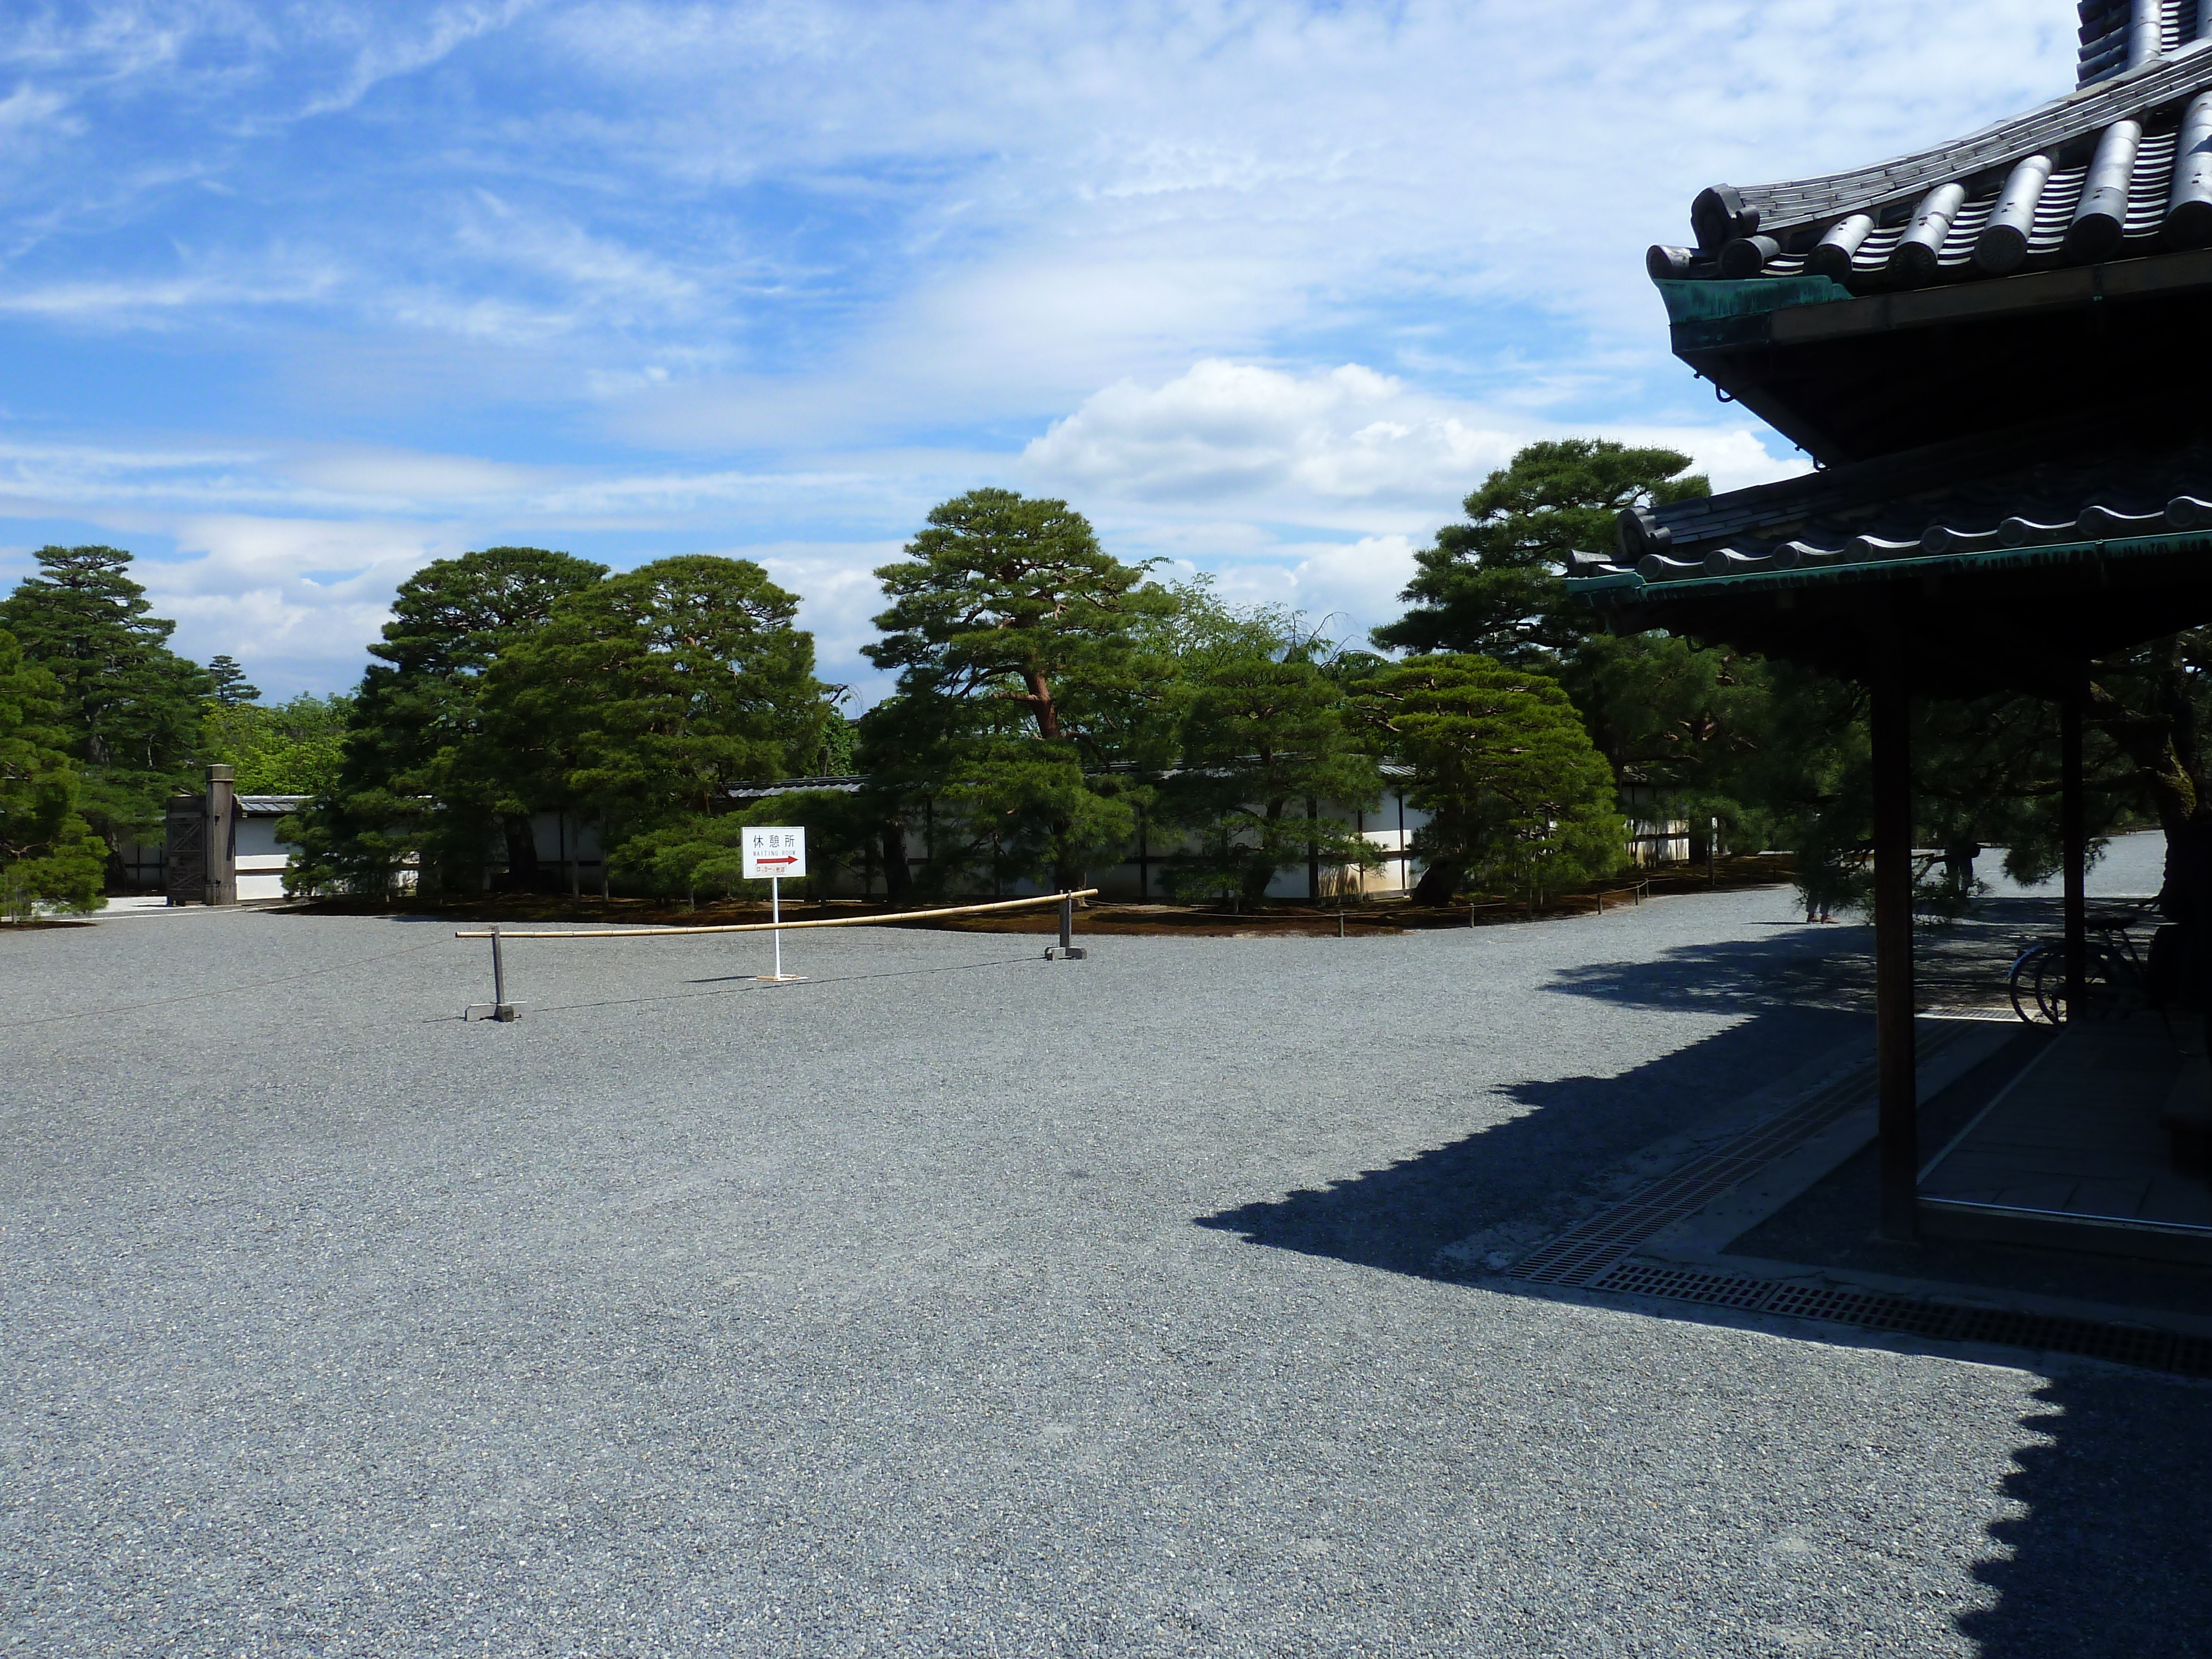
(1519,799)
(129,707)
(420,783)
(1015,636)
(645,697)
(229,682)
(48,854)
(1495,585)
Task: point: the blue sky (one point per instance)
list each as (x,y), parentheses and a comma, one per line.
(296,297)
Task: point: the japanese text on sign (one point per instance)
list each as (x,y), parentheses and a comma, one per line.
(777,850)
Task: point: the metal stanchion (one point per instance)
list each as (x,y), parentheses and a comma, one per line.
(1068,950)
(498,1007)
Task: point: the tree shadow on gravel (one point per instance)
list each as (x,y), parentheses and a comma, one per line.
(2112,1551)
(1963,961)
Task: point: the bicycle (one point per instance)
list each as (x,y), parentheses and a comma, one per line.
(2115,974)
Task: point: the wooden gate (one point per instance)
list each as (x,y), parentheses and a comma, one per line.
(185,854)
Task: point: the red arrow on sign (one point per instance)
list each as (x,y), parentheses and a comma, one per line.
(788,858)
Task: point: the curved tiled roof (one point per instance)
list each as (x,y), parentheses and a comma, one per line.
(2122,166)
(2009,493)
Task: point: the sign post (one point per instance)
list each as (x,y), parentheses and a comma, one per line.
(773,852)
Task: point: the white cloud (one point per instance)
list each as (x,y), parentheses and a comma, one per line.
(30,107)
(1234,431)
(1345,446)
(408,479)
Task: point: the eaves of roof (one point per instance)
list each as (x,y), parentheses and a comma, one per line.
(1808,310)
(1616,587)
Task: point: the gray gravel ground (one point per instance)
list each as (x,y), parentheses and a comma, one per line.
(957,1302)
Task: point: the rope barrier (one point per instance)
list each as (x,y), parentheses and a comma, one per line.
(770,927)
(499,1008)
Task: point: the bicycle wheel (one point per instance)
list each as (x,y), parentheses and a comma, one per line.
(2026,984)
(2038,981)
(2107,977)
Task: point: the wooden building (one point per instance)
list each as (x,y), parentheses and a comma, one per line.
(1996,351)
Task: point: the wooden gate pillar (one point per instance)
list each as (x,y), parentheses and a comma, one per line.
(1899,1111)
(199,854)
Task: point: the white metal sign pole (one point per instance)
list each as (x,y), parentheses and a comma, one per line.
(773,852)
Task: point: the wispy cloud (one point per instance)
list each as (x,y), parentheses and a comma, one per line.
(1264,287)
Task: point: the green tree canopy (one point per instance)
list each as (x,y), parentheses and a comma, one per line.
(1015,637)
(296,747)
(48,854)
(1265,736)
(1494,585)
(418,780)
(646,697)
(1521,801)
(128,707)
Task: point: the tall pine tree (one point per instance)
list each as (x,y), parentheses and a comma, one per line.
(1016,640)
(48,854)
(129,709)
(421,784)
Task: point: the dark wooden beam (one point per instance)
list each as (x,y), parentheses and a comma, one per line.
(2074,820)
(1899,1107)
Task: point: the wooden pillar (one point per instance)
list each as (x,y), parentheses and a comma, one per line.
(1313,855)
(222,799)
(1899,1113)
(2074,822)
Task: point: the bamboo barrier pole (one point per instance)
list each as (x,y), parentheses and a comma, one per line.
(508,938)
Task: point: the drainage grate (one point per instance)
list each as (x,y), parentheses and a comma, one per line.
(1687,1284)
(2125,1345)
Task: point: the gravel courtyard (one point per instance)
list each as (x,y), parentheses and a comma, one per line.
(958,1303)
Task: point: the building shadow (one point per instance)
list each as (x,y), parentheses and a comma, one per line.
(1569,1134)
(2110,1550)
(2106,1548)
(1793,994)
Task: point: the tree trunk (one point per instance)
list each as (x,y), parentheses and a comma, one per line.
(521,853)
(898,875)
(1257,873)
(2148,739)
(2158,743)
(1438,882)
(1048,712)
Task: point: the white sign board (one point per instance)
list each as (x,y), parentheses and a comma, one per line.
(774,850)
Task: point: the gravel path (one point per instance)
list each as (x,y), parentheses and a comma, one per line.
(955,1303)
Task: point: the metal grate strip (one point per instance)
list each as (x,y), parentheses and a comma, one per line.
(2125,1345)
